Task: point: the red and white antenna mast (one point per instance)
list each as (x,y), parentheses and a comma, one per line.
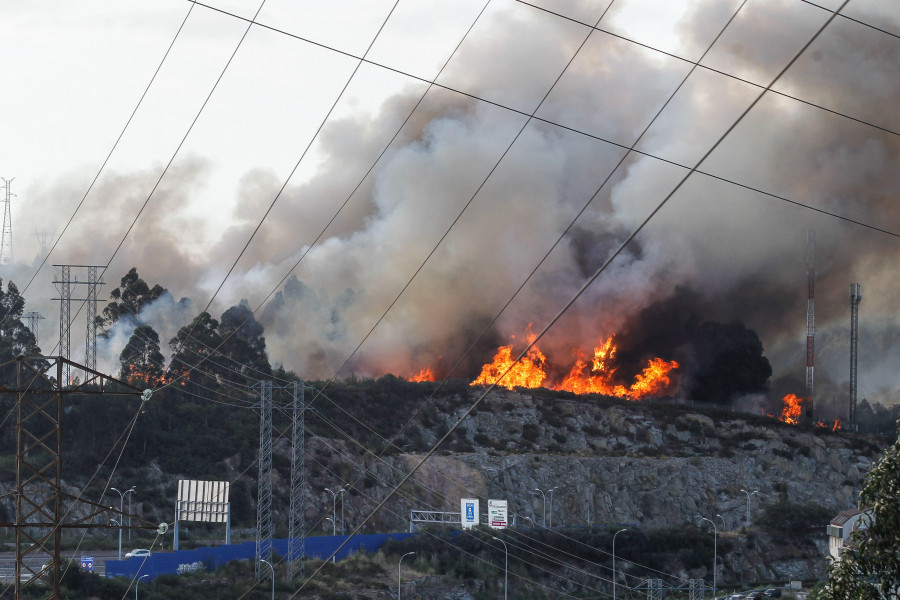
(810,318)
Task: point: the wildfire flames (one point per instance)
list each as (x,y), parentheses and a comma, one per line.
(594,377)
(424,375)
(793,408)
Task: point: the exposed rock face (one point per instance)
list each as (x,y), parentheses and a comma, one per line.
(649,465)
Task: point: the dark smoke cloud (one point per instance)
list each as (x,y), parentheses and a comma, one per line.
(737,255)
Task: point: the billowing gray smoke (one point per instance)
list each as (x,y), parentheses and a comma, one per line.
(741,254)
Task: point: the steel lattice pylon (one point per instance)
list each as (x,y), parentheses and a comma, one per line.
(65,329)
(33,318)
(42,508)
(6,247)
(264,483)
(90,342)
(297,528)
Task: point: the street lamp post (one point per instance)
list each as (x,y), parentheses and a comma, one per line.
(121,510)
(553,489)
(614,560)
(505,568)
(399,562)
(334,494)
(543,503)
(136,583)
(748,503)
(119,525)
(715,555)
(273,575)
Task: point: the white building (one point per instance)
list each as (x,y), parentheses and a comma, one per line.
(840,528)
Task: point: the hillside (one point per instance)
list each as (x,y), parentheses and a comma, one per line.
(657,467)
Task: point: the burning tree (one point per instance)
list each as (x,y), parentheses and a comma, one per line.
(870,568)
(141,359)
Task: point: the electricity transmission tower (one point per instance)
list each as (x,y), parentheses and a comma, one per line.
(33,318)
(44,238)
(43,509)
(297,528)
(296,523)
(264,494)
(65,285)
(6,248)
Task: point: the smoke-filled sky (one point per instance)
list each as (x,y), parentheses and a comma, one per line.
(75,71)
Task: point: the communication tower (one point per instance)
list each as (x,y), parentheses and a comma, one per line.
(855,299)
(810,318)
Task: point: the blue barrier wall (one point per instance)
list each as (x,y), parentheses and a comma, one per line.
(206,559)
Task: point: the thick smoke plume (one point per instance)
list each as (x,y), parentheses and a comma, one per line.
(738,255)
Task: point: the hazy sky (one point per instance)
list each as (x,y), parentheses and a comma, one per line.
(74,72)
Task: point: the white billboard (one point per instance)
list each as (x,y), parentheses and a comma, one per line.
(468,514)
(202,501)
(497,515)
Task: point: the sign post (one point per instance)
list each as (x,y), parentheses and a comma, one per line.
(469,512)
(497,514)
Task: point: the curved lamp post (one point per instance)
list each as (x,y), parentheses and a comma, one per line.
(553,489)
(136,583)
(614,560)
(543,503)
(715,557)
(399,562)
(748,504)
(121,510)
(505,569)
(273,576)
(334,494)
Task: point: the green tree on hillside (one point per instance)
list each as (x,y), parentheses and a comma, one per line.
(870,568)
(127,300)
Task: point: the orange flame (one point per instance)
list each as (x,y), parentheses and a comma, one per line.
(584,378)
(792,410)
(836,425)
(528,372)
(424,375)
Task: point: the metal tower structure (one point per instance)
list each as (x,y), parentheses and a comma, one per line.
(297,527)
(264,495)
(33,318)
(855,299)
(65,285)
(6,247)
(43,509)
(90,341)
(810,319)
(44,238)
(65,329)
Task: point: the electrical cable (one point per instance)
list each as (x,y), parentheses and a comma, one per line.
(849,18)
(110,153)
(602,269)
(713,70)
(314,137)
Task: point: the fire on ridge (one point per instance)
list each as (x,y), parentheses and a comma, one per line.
(586,376)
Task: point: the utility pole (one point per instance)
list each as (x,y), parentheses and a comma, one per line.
(855,299)
(6,247)
(810,319)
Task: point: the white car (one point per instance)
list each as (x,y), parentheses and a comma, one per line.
(138,553)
